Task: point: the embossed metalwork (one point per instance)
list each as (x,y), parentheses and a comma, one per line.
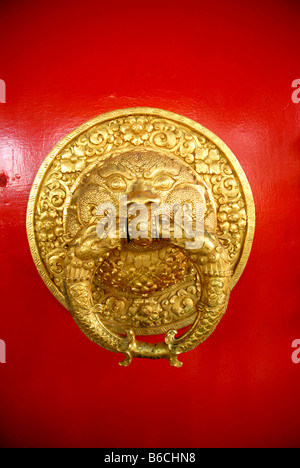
(119,288)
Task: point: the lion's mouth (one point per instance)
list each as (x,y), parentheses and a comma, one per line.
(140,228)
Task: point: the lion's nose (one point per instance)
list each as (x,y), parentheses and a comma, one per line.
(143,197)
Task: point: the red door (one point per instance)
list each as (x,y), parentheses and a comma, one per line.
(231,66)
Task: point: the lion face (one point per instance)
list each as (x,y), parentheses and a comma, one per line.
(140,177)
(144,177)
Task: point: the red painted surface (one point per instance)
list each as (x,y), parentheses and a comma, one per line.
(230,66)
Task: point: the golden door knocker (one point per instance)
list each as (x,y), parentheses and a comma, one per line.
(140,222)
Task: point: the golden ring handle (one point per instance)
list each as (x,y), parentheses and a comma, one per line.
(85,255)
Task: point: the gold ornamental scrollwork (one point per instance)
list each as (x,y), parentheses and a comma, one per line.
(120,287)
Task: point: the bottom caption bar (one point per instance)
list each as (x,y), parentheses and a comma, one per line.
(139,457)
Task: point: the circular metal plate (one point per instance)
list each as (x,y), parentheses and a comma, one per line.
(53,216)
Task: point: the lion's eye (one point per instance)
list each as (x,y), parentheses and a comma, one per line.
(117,183)
(163,182)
